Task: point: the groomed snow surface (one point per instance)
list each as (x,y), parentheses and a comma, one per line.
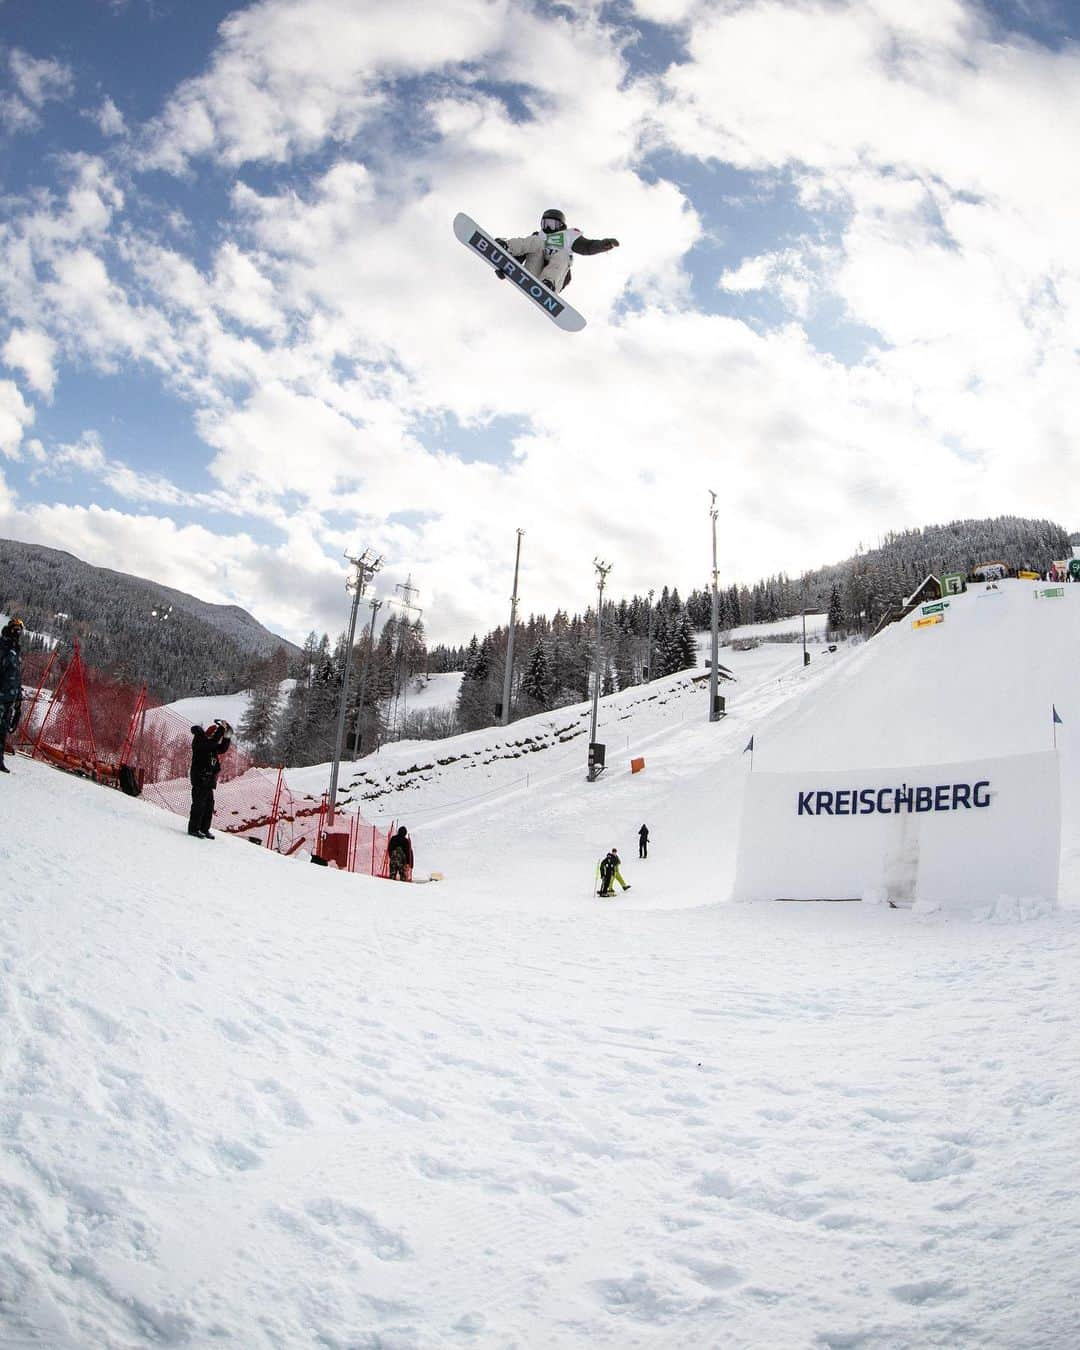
(250,1102)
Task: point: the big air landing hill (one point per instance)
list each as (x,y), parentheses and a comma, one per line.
(926,770)
(247,1102)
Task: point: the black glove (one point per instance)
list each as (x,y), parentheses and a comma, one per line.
(609,244)
(501,242)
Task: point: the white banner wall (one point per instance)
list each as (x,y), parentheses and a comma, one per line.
(958,834)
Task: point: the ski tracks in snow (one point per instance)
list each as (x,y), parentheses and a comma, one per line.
(248,1102)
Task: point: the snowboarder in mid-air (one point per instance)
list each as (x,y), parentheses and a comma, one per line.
(547,253)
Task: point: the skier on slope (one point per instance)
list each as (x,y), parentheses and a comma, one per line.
(547,252)
(609,873)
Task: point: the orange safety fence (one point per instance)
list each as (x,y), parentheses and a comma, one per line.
(105,730)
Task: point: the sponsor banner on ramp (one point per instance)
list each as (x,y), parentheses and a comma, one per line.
(958,834)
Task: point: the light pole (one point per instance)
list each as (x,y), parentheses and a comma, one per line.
(358,726)
(648,651)
(366,567)
(805,653)
(401,660)
(596,752)
(714,668)
(508,673)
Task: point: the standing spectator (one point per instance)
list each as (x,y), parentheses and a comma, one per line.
(609,873)
(10,682)
(401,856)
(643,842)
(207,747)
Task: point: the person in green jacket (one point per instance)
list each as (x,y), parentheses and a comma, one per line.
(610,873)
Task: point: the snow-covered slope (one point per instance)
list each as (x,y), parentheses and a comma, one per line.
(980,683)
(248,1102)
(816,627)
(203,708)
(471,802)
(434,691)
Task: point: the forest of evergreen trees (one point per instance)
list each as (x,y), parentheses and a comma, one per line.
(136,631)
(302,728)
(553,657)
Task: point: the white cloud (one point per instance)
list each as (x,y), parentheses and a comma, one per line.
(109,118)
(85,453)
(792,274)
(36,82)
(17,116)
(33,352)
(294,587)
(39,81)
(335,336)
(665,11)
(290,75)
(245,293)
(15,416)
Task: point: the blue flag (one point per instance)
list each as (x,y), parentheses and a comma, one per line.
(750,744)
(1057,719)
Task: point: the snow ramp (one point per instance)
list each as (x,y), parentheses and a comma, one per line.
(925,769)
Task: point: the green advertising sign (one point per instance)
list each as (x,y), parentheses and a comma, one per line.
(1051,593)
(939,607)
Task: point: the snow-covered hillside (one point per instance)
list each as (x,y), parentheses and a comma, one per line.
(471,800)
(203,708)
(249,1102)
(816,627)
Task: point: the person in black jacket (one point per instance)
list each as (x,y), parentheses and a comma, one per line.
(10,682)
(207,747)
(610,864)
(401,856)
(547,253)
(643,842)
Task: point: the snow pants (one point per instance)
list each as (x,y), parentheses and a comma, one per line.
(553,266)
(608,879)
(202,807)
(5,722)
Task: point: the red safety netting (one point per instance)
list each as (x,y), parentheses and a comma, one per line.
(80,720)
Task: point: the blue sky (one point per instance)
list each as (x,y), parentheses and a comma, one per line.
(237,336)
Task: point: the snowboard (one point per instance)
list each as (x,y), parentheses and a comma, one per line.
(554,306)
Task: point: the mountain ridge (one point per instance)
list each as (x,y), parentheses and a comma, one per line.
(133,627)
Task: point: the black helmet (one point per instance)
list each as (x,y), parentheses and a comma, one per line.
(552,219)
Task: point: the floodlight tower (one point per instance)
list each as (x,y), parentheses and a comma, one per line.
(596,758)
(508,673)
(648,651)
(714,668)
(404,603)
(358,725)
(365,568)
